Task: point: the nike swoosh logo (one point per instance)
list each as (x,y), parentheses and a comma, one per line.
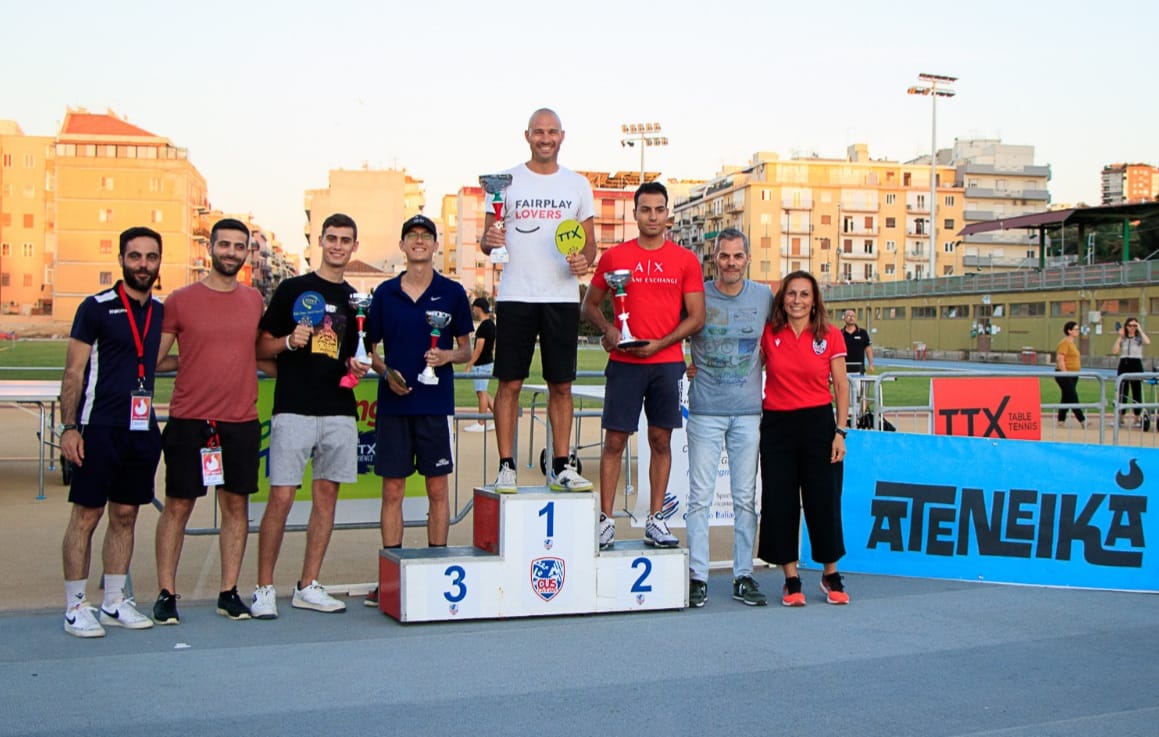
(107,613)
(435,299)
(70,621)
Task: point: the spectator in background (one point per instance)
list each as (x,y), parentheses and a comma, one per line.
(1066,358)
(482,361)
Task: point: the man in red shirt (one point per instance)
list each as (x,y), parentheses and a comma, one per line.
(213,436)
(666,305)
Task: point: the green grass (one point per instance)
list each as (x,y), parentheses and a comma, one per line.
(21,359)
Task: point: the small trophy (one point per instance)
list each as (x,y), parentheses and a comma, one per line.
(495,185)
(360,302)
(619,279)
(437,320)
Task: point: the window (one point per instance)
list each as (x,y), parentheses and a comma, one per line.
(7,160)
(867,247)
(4,280)
(890,199)
(29,220)
(155,186)
(26,250)
(764,267)
(1063,309)
(949,202)
(106,278)
(28,280)
(868,272)
(1000,185)
(1119,306)
(891,222)
(869,222)
(893,313)
(824,244)
(948,224)
(105,215)
(106,247)
(155,216)
(107,184)
(925,313)
(889,271)
(5,249)
(948,247)
(1027,309)
(921,202)
(29,161)
(891,246)
(824,268)
(826,219)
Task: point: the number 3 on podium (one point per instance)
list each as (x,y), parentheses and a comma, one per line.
(458,590)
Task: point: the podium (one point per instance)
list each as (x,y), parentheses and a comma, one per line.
(535,553)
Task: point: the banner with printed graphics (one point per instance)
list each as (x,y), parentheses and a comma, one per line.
(676,499)
(359,502)
(1005,511)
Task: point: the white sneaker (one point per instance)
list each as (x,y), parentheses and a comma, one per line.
(315,597)
(475,427)
(81,621)
(656,533)
(568,480)
(607,532)
(507,482)
(124,614)
(264,603)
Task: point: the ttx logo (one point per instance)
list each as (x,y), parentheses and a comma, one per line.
(993,428)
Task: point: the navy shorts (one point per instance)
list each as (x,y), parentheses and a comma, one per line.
(119,466)
(518,324)
(655,387)
(183,440)
(404,444)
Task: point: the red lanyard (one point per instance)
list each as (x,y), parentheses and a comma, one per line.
(138,337)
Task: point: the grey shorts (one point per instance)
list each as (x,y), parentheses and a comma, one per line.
(484,371)
(331,441)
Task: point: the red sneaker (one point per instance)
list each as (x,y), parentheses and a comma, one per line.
(834,589)
(791,594)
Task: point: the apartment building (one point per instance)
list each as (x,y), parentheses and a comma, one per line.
(1129,184)
(855,219)
(1000,181)
(27,242)
(379,200)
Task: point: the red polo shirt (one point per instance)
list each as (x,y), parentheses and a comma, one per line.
(797,367)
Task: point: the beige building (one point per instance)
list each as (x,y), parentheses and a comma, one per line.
(855,219)
(379,200)
(999,181)
(27,238)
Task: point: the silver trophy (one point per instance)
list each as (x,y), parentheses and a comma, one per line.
(618,280)
(437,320)
(360,301)
(495,185)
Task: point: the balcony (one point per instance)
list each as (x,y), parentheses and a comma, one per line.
(802,229)
(802,252)
(916,207)
(858,256)
(796,205)
(859,230)
(978,193)
(915,254)
(859,206)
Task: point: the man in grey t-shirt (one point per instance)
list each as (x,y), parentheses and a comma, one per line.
(724,410)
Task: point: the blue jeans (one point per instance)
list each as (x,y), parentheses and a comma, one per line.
(740,435)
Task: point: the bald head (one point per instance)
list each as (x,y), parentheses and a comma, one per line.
(551,118)
(544,135)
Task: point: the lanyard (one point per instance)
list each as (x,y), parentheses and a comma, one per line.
(138,337)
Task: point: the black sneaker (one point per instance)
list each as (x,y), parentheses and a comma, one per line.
(229,604)
(165,608)
(371,598)
(697,593)
(745,589)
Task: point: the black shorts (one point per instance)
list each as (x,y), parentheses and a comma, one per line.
(655,387)
(518,324)
(184,439)
(404,444)
(119,466)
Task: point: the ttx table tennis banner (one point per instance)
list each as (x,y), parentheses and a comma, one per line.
(982,407)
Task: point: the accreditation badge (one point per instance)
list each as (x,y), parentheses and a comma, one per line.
(140,409)
(212,470)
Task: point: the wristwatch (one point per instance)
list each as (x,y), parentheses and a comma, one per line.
(62,429)
(841,431)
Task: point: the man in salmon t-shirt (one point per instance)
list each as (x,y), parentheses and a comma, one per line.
(213,436)
(665,304)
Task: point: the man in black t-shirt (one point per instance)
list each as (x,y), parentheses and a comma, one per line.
(482,361)
(314,418)
(858,350)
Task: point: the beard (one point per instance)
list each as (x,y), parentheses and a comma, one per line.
(141,281)
(223,268)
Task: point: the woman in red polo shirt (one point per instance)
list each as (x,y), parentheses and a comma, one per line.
(802,447)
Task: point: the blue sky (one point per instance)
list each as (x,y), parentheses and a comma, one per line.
(269,96)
